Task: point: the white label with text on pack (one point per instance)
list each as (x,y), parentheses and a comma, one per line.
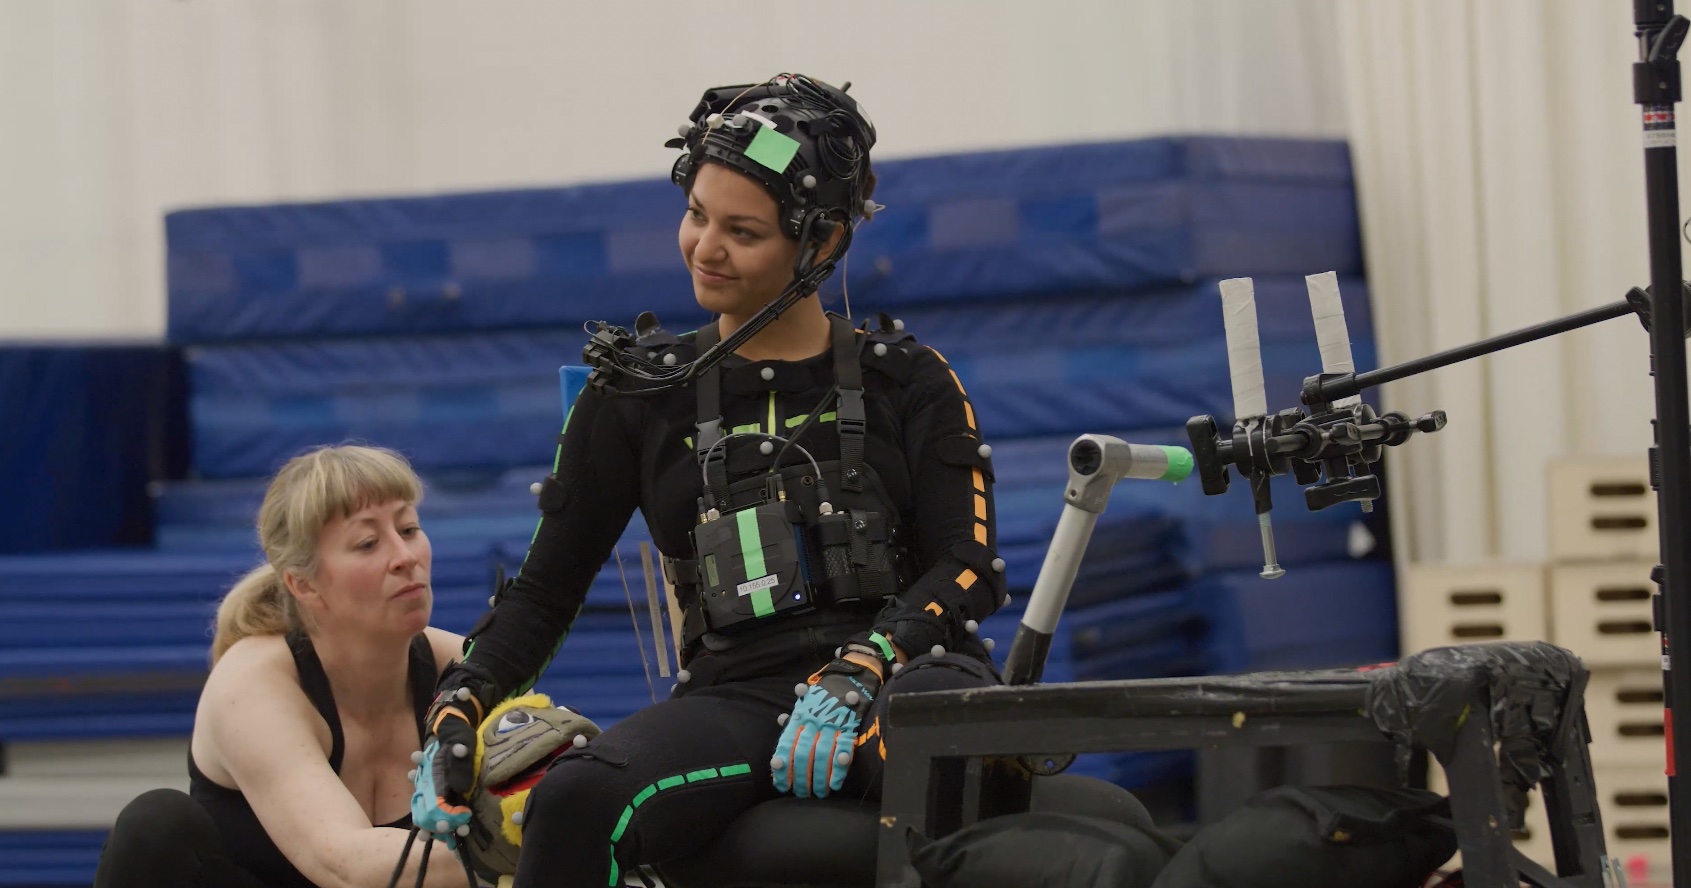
(750,586)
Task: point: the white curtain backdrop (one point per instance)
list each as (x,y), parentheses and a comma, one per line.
(1501,181)
(113,112)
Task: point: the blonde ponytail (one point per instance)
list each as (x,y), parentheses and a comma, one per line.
(257,605)
(310,491)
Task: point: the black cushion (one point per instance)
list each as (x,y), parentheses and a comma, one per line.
(1333,836)
(830,843)
(1042,849)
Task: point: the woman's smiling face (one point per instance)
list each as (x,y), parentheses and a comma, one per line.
(732,243)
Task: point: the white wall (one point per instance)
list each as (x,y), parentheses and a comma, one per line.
(1500,171)
(113,112)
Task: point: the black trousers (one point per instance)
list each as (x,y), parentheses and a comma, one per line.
(165,839)
(665,782)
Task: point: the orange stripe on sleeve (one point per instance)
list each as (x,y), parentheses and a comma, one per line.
(980,534)
(980,507)
(966,578)
(980,481)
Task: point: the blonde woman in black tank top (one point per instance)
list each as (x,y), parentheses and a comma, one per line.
(323,663)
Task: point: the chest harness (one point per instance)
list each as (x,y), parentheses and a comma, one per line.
(792,540)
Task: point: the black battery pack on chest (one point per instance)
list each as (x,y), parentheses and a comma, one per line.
(754,566)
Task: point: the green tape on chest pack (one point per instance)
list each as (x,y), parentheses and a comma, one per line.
(751,543)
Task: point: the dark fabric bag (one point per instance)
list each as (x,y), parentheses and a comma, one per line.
(1042,850)
(1331,836)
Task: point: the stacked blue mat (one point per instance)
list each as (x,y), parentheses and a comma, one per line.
(1072,288)
(434,324)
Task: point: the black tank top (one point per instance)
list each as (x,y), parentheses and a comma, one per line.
(244,838)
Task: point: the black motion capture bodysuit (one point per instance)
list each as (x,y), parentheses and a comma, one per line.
(664,782)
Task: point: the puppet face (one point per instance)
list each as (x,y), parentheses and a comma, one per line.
(517,742)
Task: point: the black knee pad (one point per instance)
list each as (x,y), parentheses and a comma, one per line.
(946,672)
(166,812)
(163,830)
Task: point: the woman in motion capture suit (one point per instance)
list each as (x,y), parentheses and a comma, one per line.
(323,666)
(822,499)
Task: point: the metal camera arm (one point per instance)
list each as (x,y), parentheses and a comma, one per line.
(1331,446)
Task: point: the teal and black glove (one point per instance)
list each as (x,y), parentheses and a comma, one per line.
(446,767)
(815,751)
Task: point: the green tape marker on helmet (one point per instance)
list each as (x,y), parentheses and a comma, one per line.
(772,149)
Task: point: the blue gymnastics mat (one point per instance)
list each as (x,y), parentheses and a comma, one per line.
(490,402)
(991,225)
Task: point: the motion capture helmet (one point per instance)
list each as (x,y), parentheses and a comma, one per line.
(806,142)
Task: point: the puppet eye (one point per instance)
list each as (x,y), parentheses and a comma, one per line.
(514,720)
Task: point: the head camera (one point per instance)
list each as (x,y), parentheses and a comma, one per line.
(806,142)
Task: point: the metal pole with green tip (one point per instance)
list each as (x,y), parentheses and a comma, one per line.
(1096,463)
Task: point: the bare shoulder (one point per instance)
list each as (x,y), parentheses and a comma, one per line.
(259,665)
(448,647)
(254,682)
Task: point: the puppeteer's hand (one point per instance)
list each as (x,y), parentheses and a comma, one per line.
(814,753)
(445,770)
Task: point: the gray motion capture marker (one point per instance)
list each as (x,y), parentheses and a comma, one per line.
(838,652)
(650,355)
(971,627)
(459,750)
(880,349)
(998,565)
(767,373)
(853,698)
(517,818)
(777,763)
(492,600)
(1006,601)
(799,689)
(534,488)
(897,666)
(766,448)
(681,131)
(985,450)
(417,757)
(989,644)
(898,324)
(938,651)
(782,719)
(463,694)
(440,826)
(580,741)
(669,359)
(683,676)
(463,830)
(808,181)
(843,758)
(411,775)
